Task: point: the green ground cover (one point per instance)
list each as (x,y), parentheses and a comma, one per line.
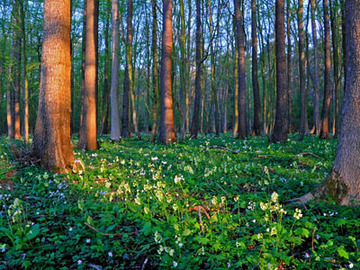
(185,206)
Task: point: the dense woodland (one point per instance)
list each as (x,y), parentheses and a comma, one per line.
(205,86)
(110,110)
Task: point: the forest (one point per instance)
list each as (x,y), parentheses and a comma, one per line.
(190,134)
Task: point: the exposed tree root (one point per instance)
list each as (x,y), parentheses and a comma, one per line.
(303,200)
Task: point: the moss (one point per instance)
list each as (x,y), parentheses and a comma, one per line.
(333,187)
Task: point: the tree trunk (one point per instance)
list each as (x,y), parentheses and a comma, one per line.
(115,121)
(51,142)
(325,115)
(257,107)
(167,131)
(87,133)
(281,119)
(155,88)
(9,96)
(106,93)
(342,184)
(289,69)
(335,25)
(17,70)
(236,91)
(195,125)
(242,134)
(303,101)
(316,129)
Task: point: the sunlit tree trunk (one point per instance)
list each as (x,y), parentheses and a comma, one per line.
(115,121)
(167,132)
(51,142)
(325,115)
(88,128)
(281,119)
(240,39)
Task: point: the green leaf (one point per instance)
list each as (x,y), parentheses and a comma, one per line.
(342,252)
(187,232)
(147,228)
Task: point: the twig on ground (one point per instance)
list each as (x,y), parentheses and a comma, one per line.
(107,234)
(144,264)
(222,148)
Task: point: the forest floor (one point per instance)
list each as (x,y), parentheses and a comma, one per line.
(191,205)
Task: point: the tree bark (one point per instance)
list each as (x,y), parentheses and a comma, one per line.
(155,88)
(195,125)
(289,63)
(16,70)
(325,115)
(51,142)
(240,39)
(342,184)
(281,119)
(167,131)
(316,129)
(303,100)
(115,121)
(255,81)
(88,128)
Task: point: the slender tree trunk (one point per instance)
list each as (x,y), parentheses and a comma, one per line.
(316,129)
(325,115)
(17,69)
(242,134)
(106,93)
(167,132)
(195,125)
(256,90)
(183,88)
(335,25)
(9,97)
(281,120)
(188,78)
(155,88)
(289,63)
(87,133)
(303,118)
(236,91)
(115,121)
(51,142)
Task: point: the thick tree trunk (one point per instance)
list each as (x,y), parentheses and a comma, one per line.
(255,81)
(325,115)
(240,39)
(88,128)
(195,125)
(316,129)
(236,91)
(342,184)
(167,131)
(115,121)
(281,121)
(51,142)
(155,88)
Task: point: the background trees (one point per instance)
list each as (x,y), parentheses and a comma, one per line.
(217,81)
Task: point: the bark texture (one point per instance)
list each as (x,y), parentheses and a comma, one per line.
(255,81)
(51,142)
(325,114)
(88,128)
(343,182)
(240,39)
(115,119)
(281,119)
(167,131)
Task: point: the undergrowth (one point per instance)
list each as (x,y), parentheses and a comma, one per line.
(187,206)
